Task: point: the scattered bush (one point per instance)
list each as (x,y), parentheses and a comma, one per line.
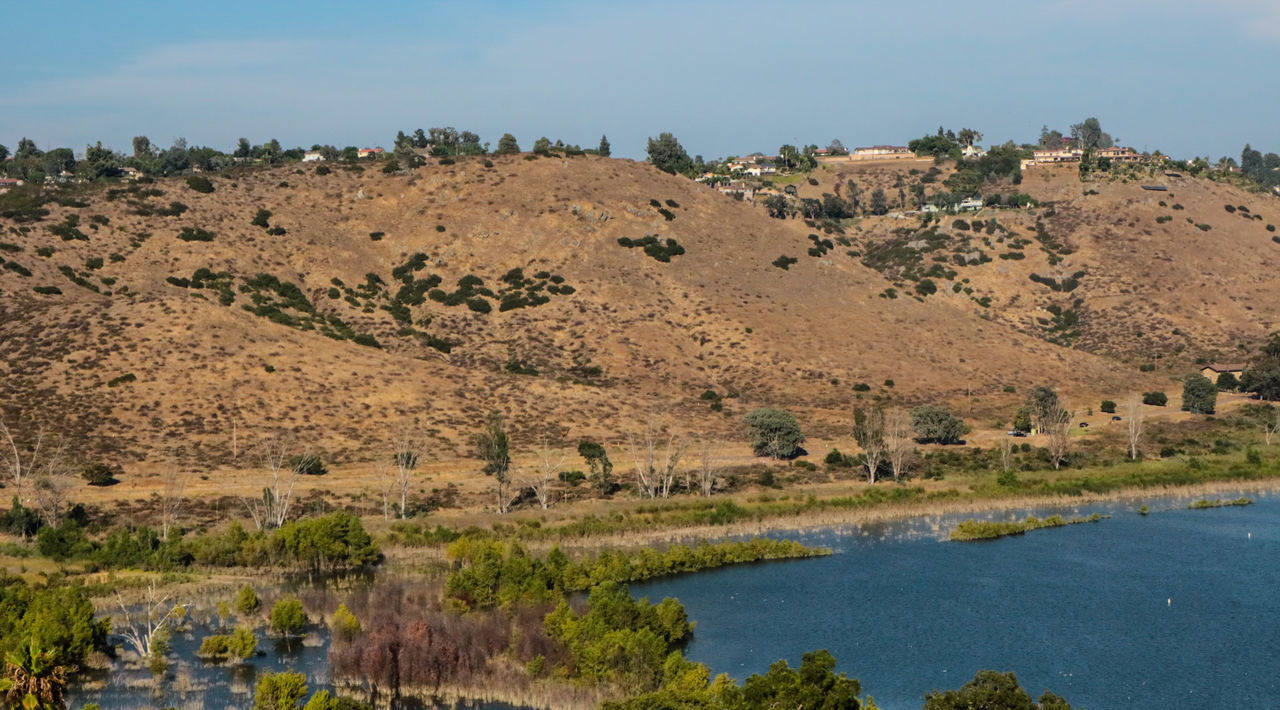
(247,601)
(1155,399)
(101,474)
(935,424)
(200,183)
(308,464)
(784,262)
(195,234)
(1108,407)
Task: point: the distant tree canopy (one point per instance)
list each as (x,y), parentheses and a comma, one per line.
(666,154)
(605,150)
(1262,169)
(942,145)
(1090,135)
(774,433)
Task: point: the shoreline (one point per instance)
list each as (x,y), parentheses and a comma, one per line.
(895,512)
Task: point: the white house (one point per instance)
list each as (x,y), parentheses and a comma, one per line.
(970,204)
(972,151)
(312,156)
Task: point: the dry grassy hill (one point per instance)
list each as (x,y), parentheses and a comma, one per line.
(1107,267)
(379,299)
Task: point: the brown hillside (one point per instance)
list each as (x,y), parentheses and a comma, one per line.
(1153,282)
(636,338)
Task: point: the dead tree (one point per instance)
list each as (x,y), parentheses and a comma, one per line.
(1006,454)
(282,473)
(148,634)
(1057,422)
(654,478)
(899,440)
(868,430)
(545,475)
(1134,430)
(173,499)
(23,461)
(709,465)
(410,449)
(51,489)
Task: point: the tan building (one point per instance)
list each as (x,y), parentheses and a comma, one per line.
(1213,370)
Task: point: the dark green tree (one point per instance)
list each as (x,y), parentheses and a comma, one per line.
(604,150)
(1041,403)
(507,145)
(1199,394)
(935,424)
(1090,135)
(879,202)
(493,447)
(774,433)
(813,686)
(542,146)
(26,149)
(667,155)
(1262,376)
(597,459)
(243,150)
(1227,382)
(142,147)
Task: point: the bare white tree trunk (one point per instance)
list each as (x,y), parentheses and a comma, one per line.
(869,432)
(709,464)
(282,475)
(655,479)
(1058,427)
(1134,430)
(545,475)
(643,454)
(899,440)
(1006,453)
(173,501)
(410,449)
(21,461)
(158,615)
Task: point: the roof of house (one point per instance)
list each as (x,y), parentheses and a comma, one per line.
(1225,366)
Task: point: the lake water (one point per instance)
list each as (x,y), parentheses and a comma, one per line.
(1177,609)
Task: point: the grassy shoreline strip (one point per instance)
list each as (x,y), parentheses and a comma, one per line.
(1205,503)
(495,573)
(971,529)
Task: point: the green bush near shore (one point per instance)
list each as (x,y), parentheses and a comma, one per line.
(989,529)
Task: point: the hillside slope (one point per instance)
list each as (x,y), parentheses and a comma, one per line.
(144,352)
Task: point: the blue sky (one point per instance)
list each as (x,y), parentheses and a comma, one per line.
(1190,77)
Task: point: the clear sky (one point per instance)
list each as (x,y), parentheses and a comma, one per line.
(1189,77)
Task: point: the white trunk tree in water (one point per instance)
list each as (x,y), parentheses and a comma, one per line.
(282,472)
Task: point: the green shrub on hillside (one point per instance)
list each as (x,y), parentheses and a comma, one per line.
(200,183)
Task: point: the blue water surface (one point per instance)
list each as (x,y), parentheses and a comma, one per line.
(1176,609)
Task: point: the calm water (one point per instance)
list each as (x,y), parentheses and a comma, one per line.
(1178,609)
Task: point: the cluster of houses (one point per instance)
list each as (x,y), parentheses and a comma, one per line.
(1073,154)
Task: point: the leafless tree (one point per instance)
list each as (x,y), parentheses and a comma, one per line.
(409,450)
(22,461)
(710,461)
(282,473)
(868,430)
(654,478)
(1134,429)
(1006,453)
(50,491)
(1057,422)
(544,475)
(173,499)
(899,440)
(158,616)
